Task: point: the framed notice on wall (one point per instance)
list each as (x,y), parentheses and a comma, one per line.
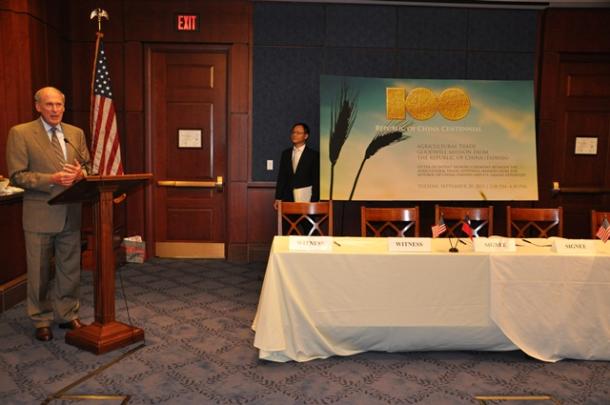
(189,138)
(585,145)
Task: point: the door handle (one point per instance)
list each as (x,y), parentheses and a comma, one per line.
(218,184)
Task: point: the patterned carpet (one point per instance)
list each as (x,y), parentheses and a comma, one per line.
(197,316)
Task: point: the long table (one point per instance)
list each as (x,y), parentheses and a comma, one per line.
(360,297)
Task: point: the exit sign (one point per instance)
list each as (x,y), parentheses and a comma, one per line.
(187,22)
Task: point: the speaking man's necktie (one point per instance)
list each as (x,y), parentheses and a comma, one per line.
(56,146)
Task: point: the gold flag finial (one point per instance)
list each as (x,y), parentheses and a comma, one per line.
(99,13)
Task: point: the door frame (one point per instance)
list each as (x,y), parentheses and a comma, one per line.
(149,227)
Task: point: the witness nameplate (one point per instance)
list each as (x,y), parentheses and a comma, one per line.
(409,244)
(310,243)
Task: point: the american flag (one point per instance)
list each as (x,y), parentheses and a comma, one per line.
(105,137)
(604,230)
(439,229)
(466,228)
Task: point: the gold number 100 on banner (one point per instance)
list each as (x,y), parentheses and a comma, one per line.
(422,104)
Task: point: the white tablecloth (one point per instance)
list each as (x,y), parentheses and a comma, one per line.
(553,307)
(362,298)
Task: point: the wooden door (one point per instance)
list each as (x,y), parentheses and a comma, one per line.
(583,114)
(187,125)
(584,91)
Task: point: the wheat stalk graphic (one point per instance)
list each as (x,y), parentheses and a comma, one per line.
(382,139)
(342,116)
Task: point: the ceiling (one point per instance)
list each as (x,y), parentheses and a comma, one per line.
(471,3)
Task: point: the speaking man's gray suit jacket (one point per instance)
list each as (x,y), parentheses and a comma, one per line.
(31,162)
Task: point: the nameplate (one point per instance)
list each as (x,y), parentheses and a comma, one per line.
(409,244)
(494,245)
(310,243)
(573,246)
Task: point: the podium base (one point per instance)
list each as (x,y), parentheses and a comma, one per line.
(103,338)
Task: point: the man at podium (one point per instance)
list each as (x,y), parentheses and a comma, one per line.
(44,157)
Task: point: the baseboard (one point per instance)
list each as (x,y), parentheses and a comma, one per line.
(258,252)
(237,252)
(248,252)
(13,292)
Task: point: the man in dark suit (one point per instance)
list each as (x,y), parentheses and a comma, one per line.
(298,177)
(44,157)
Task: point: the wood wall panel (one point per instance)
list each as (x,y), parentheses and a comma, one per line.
(578,30)
(12,249)
(20,6)
(58,61)
(238,160)
(131,140)
(5,94)
(81,28)
(19,71)
(549,79)
(237,212)
(134,74)
(262,217)
(24,64)
(134,134)
(26,43)
(39,53)
(221,21)
(240,71)
(37,10)
(133,150)
(81,58)
(589,85)
(547,149)
(80,119)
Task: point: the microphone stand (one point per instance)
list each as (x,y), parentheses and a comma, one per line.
(84,162)
(452,249)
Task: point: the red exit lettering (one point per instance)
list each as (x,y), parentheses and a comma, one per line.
(187,22)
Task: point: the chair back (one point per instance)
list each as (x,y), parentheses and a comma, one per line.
(389,221)
(534,222)
(597,217)
(305,218)
(480,218)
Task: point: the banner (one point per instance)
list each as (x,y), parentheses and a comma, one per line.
(404,139)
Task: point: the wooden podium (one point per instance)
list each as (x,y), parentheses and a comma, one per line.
(104,334)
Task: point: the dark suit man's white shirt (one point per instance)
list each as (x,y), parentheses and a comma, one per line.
(297,151)
(302,194)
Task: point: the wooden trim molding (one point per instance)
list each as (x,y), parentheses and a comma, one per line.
(13,292)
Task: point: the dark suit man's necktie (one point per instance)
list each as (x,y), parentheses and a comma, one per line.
(56,146)
(295,159)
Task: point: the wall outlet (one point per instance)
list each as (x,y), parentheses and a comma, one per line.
(269,165)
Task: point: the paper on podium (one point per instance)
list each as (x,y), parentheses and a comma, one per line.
(302,194)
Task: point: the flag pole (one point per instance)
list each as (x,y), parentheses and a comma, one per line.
(98,14)
(99,35)
(453,249)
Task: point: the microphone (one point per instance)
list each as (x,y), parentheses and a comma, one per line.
(83,161)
